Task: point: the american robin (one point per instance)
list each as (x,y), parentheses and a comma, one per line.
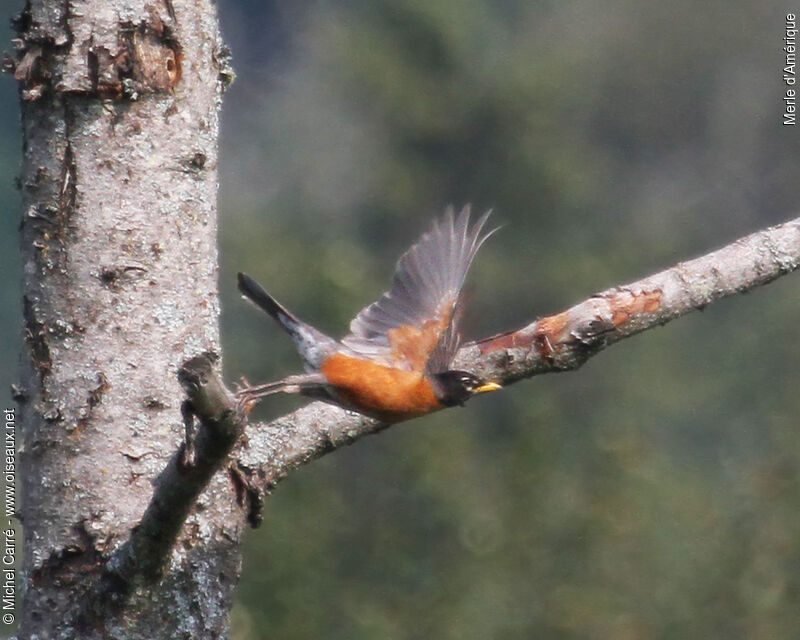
(395,363)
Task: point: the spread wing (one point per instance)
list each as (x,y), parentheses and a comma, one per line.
(414,325)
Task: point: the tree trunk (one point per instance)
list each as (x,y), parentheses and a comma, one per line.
(120,104)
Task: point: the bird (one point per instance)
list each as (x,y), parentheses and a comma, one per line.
(395,364)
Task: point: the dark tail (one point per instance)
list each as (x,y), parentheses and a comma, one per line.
(256,294)
(314,346)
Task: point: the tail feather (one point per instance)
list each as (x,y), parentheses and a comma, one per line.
(256,294)
(313,346)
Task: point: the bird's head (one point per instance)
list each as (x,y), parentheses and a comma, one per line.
(456,387)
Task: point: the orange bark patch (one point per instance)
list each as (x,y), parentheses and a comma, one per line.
(549,330)
(504,341)
(553,326)
(626,304)
(379,391)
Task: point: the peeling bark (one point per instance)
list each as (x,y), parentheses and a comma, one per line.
(119,101)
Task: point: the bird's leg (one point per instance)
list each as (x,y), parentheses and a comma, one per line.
(290,384)
(261,390)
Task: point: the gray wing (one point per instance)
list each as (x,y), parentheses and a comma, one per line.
(414,325)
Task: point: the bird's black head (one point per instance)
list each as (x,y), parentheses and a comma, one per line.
(456,387)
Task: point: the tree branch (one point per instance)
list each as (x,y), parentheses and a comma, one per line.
(559,342)
(142,558)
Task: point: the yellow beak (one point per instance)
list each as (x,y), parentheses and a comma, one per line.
(488,386)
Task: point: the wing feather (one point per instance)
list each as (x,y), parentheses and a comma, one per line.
(413,326)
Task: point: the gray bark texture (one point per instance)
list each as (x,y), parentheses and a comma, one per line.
(120,103)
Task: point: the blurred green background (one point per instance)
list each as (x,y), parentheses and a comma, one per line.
(653,494)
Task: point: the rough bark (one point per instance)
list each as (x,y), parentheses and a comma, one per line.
(120,105)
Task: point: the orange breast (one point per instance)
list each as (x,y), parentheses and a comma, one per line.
(379,391)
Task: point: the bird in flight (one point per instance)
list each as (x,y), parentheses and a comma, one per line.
(395,363)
